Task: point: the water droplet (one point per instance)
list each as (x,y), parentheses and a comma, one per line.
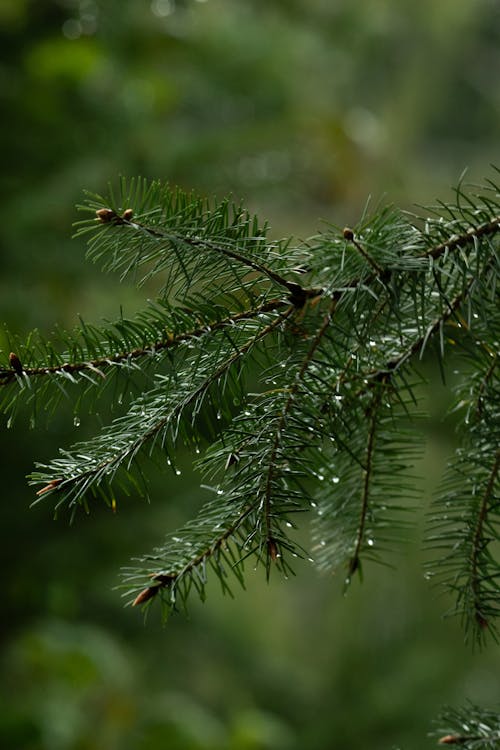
(290,525)
(220,492)
(219,415)
(178,472)
(76,421)
(370,542)
(169,462)
(310,559)
(313,504)
(323,543)
(197,450)
(320,477)
(335,480)
(9,422)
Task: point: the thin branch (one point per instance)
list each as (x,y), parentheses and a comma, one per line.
(62,484)
(283,417)
(475,581)
(296,291)
(365,493)
(168,579)
(171,341)
(349,236)
(458,241)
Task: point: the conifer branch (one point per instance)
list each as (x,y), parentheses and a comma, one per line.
(84,470)
(470,727)
(171,340)
(296,291)
(488,229)
(478,544)
(354,562)
(281,427)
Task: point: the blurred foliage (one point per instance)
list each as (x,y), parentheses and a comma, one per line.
(303,108)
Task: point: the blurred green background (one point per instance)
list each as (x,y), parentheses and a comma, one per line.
(302,108)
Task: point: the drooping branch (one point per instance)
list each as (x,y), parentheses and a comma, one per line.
(100,364)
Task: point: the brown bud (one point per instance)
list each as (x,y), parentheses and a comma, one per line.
(272,549)
(127,214)
(15,363)
(145,595)
(452,739)
(105,215)
(50,486)
(348,234)
(482,621)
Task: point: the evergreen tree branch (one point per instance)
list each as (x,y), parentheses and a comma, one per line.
(100,364)
(470,727)
(85,467)
(478,542)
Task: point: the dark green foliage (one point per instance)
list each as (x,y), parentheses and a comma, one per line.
(470,727)
(336,328)
(293,373)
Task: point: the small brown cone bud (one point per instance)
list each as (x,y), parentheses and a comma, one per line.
(50,486)
(348,234)
(272,548)
(452,739)
(145,595)
(105,215)
(15,363)
(127,214)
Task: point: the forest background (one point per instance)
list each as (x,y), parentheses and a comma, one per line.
(303,109)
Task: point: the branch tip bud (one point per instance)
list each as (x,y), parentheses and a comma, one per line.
(145,595)
(15,363)
(50,486)
(452,739)
(105,215)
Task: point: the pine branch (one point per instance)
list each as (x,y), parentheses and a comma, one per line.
(333,358)
(470,727)
(152,419)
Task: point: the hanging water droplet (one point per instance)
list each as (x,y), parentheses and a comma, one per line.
(310,559)
(320,477)
(169,462)
(335,480)
(290,525)
(9,422)
(178,472)
(220,492)
(370,542)
(76,421)
(218,415)
(323,543)
(197,450)
(313,504)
